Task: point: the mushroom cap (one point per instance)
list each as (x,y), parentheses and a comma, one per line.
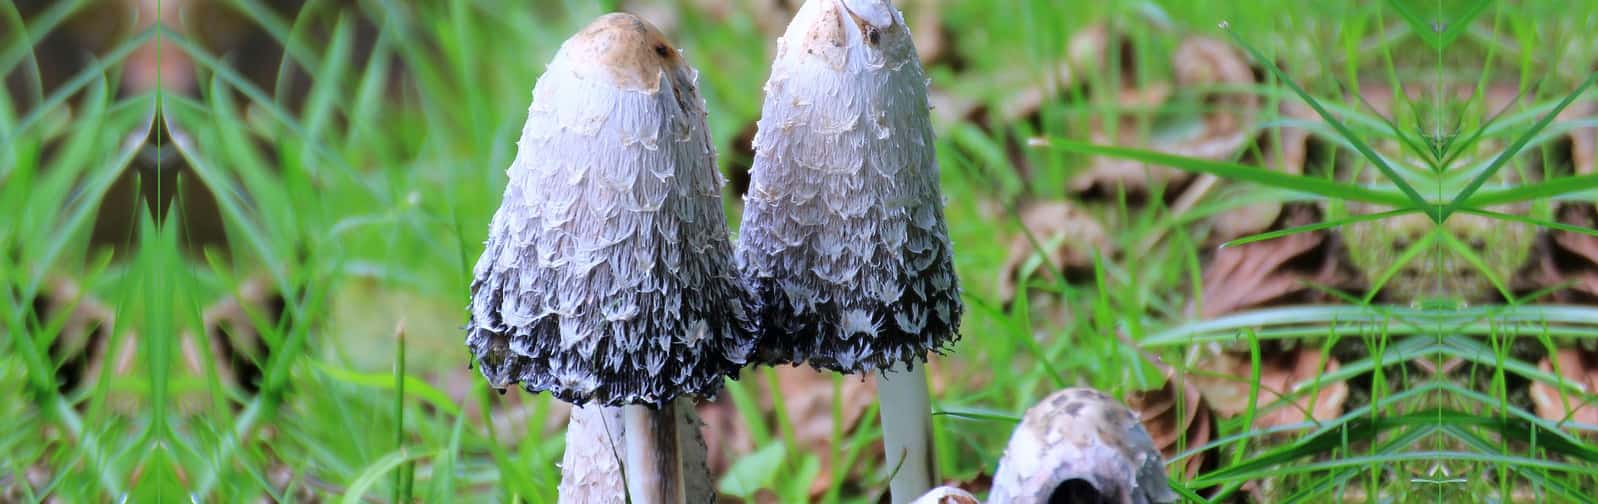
(946,495)
(607,274)
(623,50)
(843,239)
(1081,442)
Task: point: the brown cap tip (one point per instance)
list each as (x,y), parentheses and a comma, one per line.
(623,48)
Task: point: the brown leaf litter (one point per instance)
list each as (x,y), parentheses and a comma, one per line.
(1226,128)
(1200,66)
(1571,259)
(1067,237)
(1576,366)
(1285,150)
(807,397)
(1176,418)
(1223,378)
(1269,272)
(1237,278)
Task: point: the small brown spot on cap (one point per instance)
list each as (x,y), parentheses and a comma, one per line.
(828,28)
(1073,409)
(623,49)
(864,27)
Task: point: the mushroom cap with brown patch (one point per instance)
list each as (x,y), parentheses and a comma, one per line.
(826,29)
(608,274)
(843,240)
(624,50)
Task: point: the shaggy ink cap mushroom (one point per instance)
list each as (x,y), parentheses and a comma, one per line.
(1079,445)
(843,239)
(608,274)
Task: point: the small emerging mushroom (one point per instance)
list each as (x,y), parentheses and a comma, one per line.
(1079,445)
(947,495)
(843,238)
(608,274)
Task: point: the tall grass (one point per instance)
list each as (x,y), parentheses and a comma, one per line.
(360,194)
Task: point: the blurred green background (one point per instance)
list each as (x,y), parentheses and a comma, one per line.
(237,238)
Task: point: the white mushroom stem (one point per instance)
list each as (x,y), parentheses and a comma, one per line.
(907,431)
(591,468)
(596,452)
(654,468)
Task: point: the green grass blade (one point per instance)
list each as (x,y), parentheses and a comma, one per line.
(374,472)
(1515,148)
(1414,197)
(1235,171)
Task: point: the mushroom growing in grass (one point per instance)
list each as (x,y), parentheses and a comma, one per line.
(1079,445)
(843,239)
(608,274)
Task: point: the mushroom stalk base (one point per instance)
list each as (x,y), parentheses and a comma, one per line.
(654,467)
(906,430)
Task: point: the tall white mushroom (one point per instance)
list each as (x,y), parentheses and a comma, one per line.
(843,238)
(608,273)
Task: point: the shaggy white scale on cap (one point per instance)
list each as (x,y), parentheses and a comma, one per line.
(608,272)
(1079,445)
(843,238)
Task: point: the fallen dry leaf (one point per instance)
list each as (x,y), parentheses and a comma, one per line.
(1199,62)
(933,40)
(1265,272)
(1576,366)
(1223,380)
(1176,418)
(1567,256)
(1023,88)
(807,396)
(1285,150)
(1092,50)
(1068,237)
